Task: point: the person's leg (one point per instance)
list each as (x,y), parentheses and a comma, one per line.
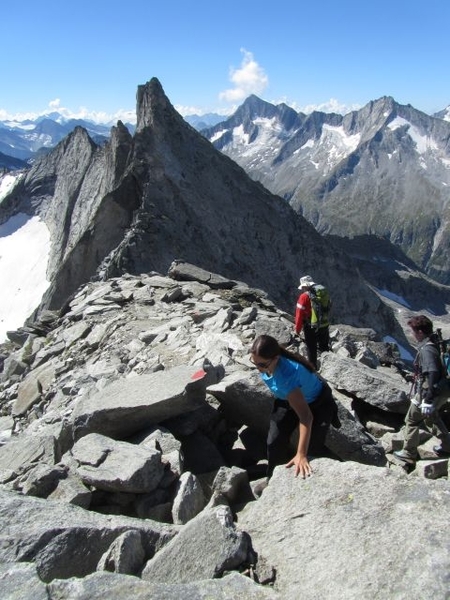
(323,410)
(283,421)
(323,339)
(311,344)
(413,420)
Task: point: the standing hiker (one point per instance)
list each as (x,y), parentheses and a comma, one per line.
(312,317)
(302,399)
(426,398)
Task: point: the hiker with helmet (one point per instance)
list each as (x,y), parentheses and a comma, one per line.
(303,399)
(426,397)
(312,317)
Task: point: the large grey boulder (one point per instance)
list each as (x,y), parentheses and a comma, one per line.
(384,390)
(32,388)
(244,399)
(351,441)
(64,540)
(352,531)
(189,499)
(125,555)
(211,537)
(117,466)
(20,581)
(20,455)
(128,405)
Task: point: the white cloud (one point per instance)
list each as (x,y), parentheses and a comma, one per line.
(250,78)
(187,111)
(126,116)
(330,106)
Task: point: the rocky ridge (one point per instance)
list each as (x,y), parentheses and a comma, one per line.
(138,203)
(133,438)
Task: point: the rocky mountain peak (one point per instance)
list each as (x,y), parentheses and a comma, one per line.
(153,107)
(389,158)
(140,202)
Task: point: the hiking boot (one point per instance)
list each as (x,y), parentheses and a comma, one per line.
(404,456)
(441,452)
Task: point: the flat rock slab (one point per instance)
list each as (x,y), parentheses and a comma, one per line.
(117,466)
(120,587)
(130,404)
(353,531)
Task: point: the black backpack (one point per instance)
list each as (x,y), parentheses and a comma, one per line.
(444,353)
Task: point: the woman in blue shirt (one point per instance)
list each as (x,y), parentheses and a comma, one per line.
(302,399)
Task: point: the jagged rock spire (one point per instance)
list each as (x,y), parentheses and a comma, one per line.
(153,106)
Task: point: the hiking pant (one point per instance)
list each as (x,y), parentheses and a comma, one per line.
(316,338)
(414,418)
(284,420)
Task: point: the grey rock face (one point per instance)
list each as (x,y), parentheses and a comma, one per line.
(117,587)
(350,526)
(211,538)
(65,541)
(116,466)
(20,581)
(189,500)
(388,393)
(125,555)
(147,400)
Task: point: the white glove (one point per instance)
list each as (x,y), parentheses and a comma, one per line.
(426,409)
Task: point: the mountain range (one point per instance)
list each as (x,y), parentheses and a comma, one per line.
(133,423)
(22,141)
(137,202)
(383,170)
(25,140)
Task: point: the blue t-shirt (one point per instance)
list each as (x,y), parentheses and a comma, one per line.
(289,375)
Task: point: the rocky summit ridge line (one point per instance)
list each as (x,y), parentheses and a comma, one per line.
(139,202)
(132,443)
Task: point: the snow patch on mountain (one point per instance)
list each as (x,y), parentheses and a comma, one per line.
(339,143)
(424,143)
(24,254)
(25,126)
(40,140)
(7,183)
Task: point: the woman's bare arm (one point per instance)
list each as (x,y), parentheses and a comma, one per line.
(300,461)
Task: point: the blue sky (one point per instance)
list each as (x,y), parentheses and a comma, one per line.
(88,57)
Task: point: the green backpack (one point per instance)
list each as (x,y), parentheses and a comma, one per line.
(320,306)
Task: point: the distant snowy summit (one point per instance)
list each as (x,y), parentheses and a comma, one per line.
(22,141)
